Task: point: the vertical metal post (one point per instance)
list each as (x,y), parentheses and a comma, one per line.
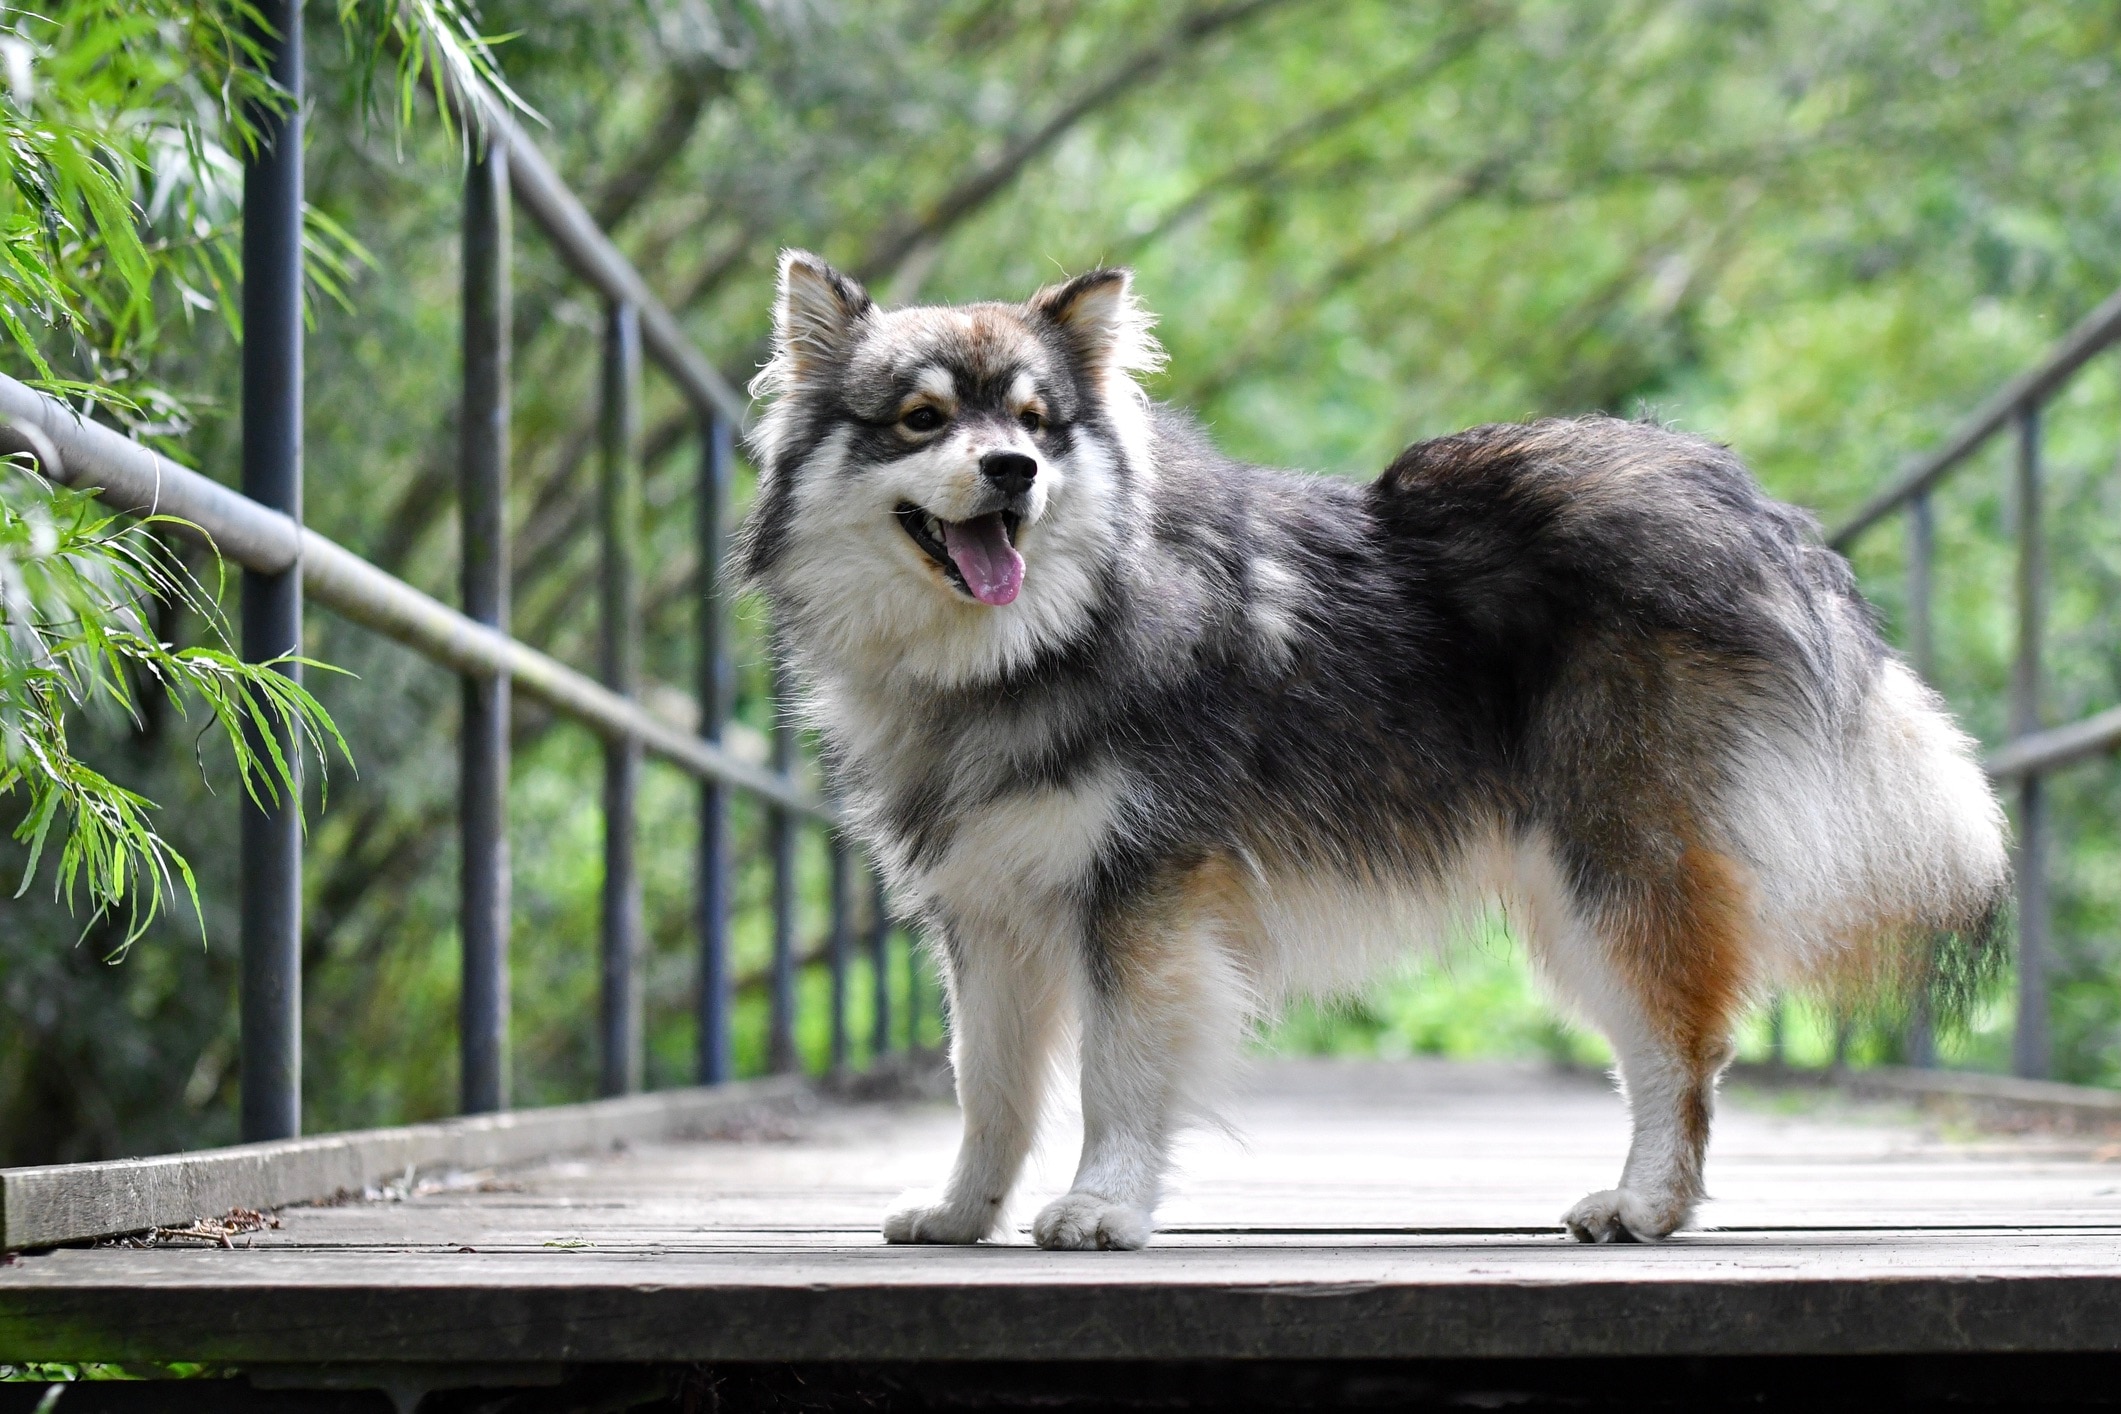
(271,833)
(839,943)
(482,513)
(2030,1046)
(780,832)
(1922,654)
(717,455)
(880,968)
(619,514)
(2030,1053)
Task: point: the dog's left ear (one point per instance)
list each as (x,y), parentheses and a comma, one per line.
(1104,324)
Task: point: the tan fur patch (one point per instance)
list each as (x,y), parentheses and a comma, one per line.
(1686,948)
(1148,956)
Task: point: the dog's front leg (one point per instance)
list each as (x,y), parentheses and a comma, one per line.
(1131,1052)
(1003,1020)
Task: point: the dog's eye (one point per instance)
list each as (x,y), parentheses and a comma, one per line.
(922,419)
(1030,420)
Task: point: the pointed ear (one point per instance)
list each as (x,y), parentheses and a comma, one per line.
(815,314)
(1105,326)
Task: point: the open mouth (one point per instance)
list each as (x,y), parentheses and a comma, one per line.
(979,555)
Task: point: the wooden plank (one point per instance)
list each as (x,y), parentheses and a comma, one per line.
(72,1202)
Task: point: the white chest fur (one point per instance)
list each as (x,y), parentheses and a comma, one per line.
(1035,847)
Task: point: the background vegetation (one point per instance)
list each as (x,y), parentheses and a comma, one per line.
(1819,231)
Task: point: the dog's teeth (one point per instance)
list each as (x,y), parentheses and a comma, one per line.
(935,527)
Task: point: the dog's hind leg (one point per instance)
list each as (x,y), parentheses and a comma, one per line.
(1660,967)
(1005,1013)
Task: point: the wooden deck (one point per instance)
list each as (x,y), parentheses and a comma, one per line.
(1370,1211)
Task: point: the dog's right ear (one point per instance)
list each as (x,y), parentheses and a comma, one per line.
(815,314)
(1103,322)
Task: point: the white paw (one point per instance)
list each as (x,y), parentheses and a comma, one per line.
(1085,1222)
(1623,1215)
(939,1223)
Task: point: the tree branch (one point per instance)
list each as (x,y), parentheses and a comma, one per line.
(904,238)
(692,88)
(1293,141)
(1353,266)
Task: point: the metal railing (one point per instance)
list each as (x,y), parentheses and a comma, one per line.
(283,561)
(2031,751)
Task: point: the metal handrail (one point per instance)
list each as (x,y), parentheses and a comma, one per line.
(592,255)
(137,479)
(2039,752)
(2093,333)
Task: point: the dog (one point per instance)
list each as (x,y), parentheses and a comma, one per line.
(1149,739)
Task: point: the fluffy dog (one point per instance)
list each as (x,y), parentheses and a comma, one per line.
(1151,739)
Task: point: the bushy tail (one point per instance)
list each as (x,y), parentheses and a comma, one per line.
(1952,846)
(1901,857)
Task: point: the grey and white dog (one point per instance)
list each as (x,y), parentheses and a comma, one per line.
(1150,739)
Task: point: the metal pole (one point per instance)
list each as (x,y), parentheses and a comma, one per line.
(2030,1046)
(271,833)
(880,968)
(715,692)
(482,514)
(1921,646)
(619,514)
(839,946)
(780,830)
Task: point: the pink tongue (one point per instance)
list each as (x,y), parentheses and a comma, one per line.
(981,551)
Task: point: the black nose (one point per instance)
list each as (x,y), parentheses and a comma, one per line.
(1013,472)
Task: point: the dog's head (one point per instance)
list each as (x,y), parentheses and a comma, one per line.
(944,490)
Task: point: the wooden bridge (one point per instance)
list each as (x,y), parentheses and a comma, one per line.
(1373,1219)
(1389,1235)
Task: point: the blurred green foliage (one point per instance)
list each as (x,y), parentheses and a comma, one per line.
(1819,231)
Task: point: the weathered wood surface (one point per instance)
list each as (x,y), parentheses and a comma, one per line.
(1369,1211)
(67,1202)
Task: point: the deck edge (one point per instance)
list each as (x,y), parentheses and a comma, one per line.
(60,1203)
(2009,1095)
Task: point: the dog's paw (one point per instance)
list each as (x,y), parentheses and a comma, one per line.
(1086,1222)
(938,1223)
(1623,1215)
